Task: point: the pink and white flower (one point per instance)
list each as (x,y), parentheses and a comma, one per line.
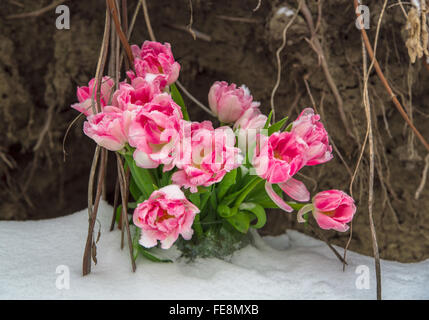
(332,209)
(154,60)
(248,126)
(229,103)
(155,132)
(85,95)
(205,155)
(138,93)
(308,127)
(164,216)
(108,129)
(276,159)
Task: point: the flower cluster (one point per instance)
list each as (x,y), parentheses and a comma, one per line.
(143,120)
(280,156)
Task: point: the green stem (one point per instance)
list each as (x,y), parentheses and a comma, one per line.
(246,191)
(197,226)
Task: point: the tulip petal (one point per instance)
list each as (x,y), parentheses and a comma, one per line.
(276,198)
(147,239)
(325,222)
(302,211)
(143,160)
(295,189)
(173,191)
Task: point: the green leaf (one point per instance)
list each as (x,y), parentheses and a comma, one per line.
(277,126)
(289,127)
(136,243)
(258,211)
(197,226)
(145,253)
(134,189)
(142,177)
(132,205)
(267,123)
(118,213)
(166,178)
(204,198)
(177,97)
(227,181)
(213,200)
(295,206)
(260,196)
(241,221)
(231,197)
(195,198)
(226,212)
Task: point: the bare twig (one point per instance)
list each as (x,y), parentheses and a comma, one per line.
(115,204)
(347,245)
(46,127)
(36,13)
(122,37)
(279,68)
(424,177)
(371,167)
(307,86)
(124,20)
(316,45)
(19,4)
(130,29)
(195,100)
(100,65)
(123,183)
(147,20)
(191,21)
(257,6)
(133,20)
(198,34)
(86,263)
(238,19)
(322,236)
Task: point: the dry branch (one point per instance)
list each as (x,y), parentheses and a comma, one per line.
(386,84)
(279,50)
(36,13)
(121,34)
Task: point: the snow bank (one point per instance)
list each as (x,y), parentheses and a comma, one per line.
(291,266)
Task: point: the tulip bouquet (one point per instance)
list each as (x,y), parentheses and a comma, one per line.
(195,185)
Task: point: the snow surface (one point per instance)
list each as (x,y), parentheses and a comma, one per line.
(291,266)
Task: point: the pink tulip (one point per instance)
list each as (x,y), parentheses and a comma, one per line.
(252,118)
(229,103)
(154,59)
(155,132)
(276,159)
(308,127)
(108,129)
(138,93)
(85,95)
(332,209)
(164,216)
(248,126)
(205,155)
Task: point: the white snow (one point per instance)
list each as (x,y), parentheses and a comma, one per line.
(291,266)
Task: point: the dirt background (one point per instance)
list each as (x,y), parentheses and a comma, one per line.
(41,66)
